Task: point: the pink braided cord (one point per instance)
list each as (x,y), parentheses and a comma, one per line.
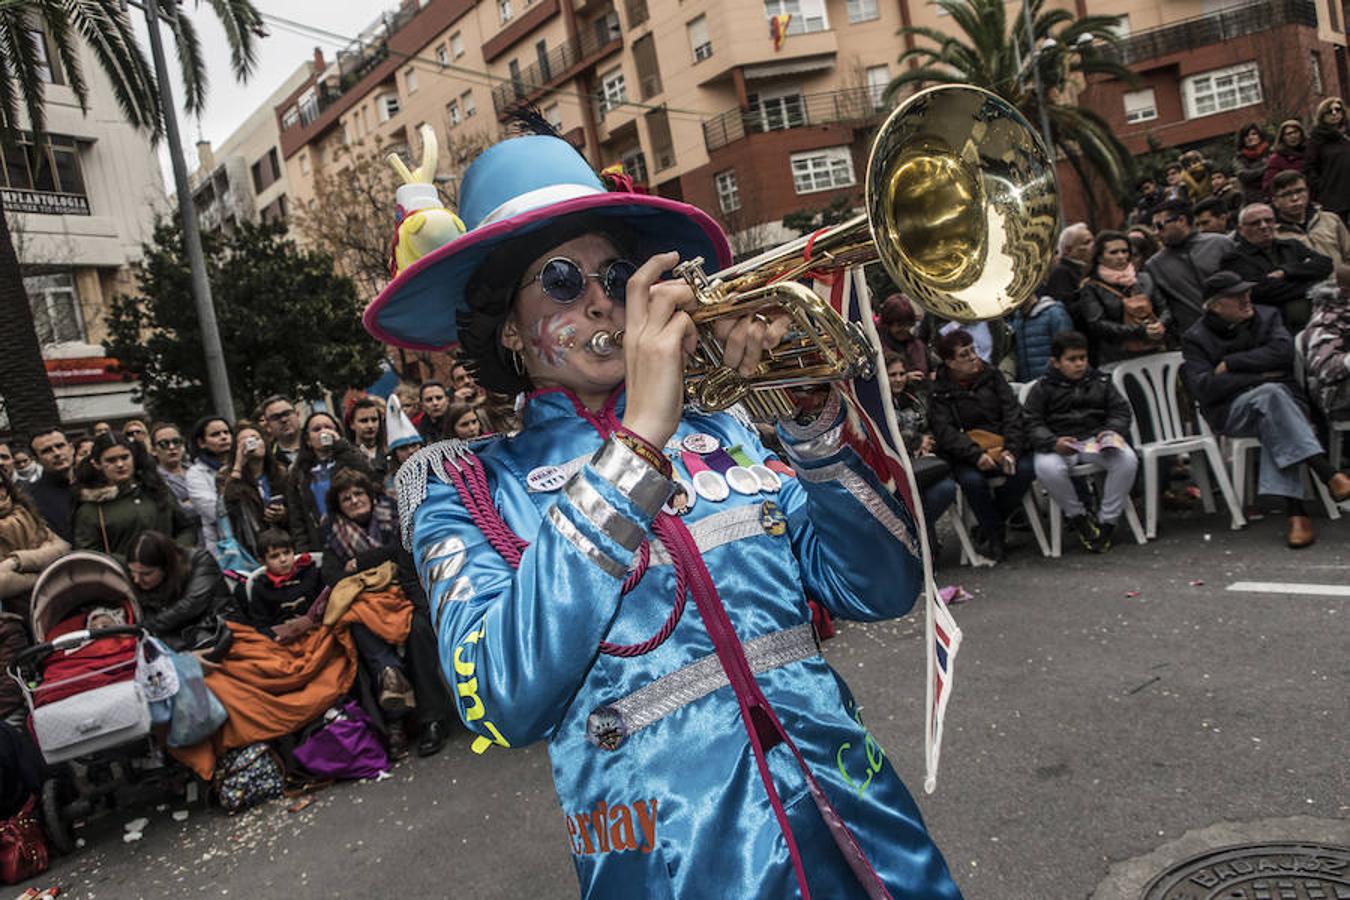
(469,480)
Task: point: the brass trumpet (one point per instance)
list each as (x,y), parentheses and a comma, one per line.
(961,209)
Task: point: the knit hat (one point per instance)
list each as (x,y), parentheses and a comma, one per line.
(398,426)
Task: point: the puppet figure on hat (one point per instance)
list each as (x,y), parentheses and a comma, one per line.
(423,224)
(701,746)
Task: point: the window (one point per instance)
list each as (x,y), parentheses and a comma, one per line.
(1316,73)
(290,118)
(541,56)
(553,115)
(387,106)
(877,79)
(635,164)
(807,15)
(456,45)
(266,171)
(410,80)
(698,38)
(52,168)
(517,81)
(1221,90)
(274,211)
(615,91)
(48,68)
(443,55)
(820,170)
(773,112)
(728,192)
(56,307)
(452,110)
(304,164)
(309,106)
(1140,106)
(504,11)
(467,103)
(862,11)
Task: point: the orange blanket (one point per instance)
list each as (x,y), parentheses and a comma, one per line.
(271,689)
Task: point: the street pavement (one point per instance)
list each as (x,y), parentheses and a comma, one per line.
(1104,706)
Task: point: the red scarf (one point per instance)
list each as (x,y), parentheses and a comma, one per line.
(1256,152)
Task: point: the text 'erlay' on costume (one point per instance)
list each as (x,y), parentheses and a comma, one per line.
(699,748)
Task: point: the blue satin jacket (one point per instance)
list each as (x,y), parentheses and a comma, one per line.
(660,791)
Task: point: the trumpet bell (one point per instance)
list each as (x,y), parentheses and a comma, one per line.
(962,202)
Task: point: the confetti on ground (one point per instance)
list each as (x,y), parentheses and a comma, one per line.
(1131,593)
(1197,582)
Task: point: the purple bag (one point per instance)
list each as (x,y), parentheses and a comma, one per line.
(346,745)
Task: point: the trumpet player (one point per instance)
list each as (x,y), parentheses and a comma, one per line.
(626,579)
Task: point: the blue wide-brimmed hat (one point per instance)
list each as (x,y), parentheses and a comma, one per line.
(521,187)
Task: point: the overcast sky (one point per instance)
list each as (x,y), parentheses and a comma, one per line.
(230,103)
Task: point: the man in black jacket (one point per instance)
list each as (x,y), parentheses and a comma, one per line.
(977,426)
(52,492)
(1282,270)
(1075,415)
(1239,365)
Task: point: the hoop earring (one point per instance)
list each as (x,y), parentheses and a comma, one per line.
(517,362)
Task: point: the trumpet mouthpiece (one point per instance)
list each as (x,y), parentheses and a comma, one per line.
(605,343)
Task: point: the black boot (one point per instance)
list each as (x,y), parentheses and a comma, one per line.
(432,739)
(1105,531)
(1087,531)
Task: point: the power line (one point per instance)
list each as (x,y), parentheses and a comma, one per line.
(440,68)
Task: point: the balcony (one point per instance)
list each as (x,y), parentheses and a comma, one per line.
(1201,31)
(856,106)
(562,63)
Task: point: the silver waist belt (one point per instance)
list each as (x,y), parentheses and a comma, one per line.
(608,726)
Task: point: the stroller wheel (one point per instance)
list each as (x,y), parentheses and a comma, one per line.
(54,796)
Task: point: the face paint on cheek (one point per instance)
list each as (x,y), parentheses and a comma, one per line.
(553,337)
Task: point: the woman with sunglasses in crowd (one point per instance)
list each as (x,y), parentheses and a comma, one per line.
(558,562)
(169,450)
(1327,161)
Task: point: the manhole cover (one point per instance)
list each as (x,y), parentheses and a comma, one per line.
(1258,872)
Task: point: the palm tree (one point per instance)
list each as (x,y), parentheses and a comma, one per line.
(991,52)
(29,31)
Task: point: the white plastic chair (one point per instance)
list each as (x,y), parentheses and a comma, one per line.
(1155,377)
(1054,514)
(1239,453)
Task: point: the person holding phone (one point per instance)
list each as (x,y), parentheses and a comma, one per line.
(323,450)
(253,490)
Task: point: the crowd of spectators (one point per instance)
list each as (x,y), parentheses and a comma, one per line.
(195,515)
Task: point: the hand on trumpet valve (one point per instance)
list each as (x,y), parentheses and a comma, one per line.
(658,336)
(746,339)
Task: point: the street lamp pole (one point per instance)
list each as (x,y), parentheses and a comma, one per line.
(217,378)
(1033,53)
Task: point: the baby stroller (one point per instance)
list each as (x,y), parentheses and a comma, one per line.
(89,715)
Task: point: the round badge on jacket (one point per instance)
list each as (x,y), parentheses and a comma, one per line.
(711,486)
(772,519)
(699,443)
(742,480)
(545,479)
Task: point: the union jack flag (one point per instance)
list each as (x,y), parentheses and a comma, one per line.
(872,432)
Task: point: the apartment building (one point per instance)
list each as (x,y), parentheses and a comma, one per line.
(245,179)
(700,102)
(1206,68)
(79,209)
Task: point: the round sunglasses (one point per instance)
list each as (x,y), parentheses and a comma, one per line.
(564,281)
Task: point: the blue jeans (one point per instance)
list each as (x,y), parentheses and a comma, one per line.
(1270,414)
(377,653)
(936,498)
(991,504)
